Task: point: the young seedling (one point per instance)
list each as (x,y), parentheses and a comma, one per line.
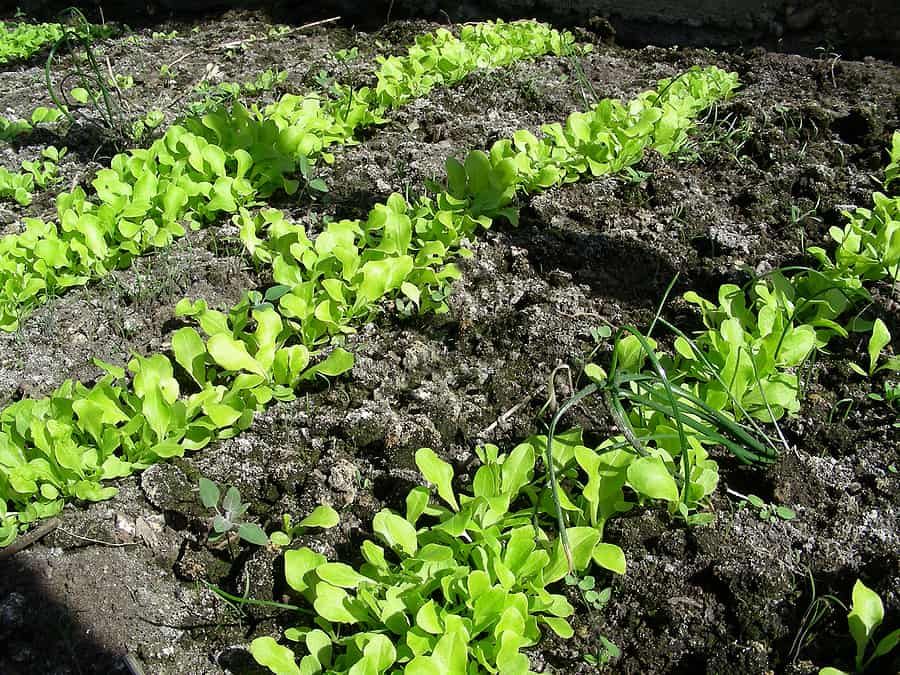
(229,514)
(819,607)
(879,339)
(892,170)
(322,516)
(146,124)
(587,586)
(10,129)
(46,172)
(347,54)
(866,615)
(767,512)
(890,396)
(595,600)
(607,652)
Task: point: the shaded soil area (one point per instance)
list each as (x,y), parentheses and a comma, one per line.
(766,176)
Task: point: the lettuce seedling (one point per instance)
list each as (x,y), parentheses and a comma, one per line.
(18,186)
(9,527)
(46,172)
(323,516)
(744,357)
(869,244)
(45,115)
(878,340)
(12,129)
(892,170)
(866,615)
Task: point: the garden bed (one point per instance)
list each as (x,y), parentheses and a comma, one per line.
(769,172)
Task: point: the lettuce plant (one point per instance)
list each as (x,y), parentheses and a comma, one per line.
(865,616)
(46,115)
(45,171)
(750,350)
(11,129)
(17,186)
(869,244)
(9,527)
(459,584)
(20,186)
(322,516)
(892,170)
(878,340)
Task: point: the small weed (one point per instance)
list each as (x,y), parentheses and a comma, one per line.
(586,585)
(323,79)
(819,607)
(730,133)
(278,31)
(799,216)
(229,514)
(121,82)
(93,90)
(890,394)
(606,653)
(767,512)
(141,127)
(847,404)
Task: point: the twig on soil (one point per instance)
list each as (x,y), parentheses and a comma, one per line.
(99,541)
(179,59)
(199,625)
(509,413)
(115,83)
(28,539)
(238,43)
(585,315)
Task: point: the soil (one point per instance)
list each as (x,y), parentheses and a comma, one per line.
(768,174)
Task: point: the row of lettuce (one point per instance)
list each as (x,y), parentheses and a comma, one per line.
(20,41)
(67,444)
(227,159)
(461,582)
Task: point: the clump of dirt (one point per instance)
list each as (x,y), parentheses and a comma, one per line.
(767,174)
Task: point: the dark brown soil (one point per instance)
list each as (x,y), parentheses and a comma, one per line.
(769,173)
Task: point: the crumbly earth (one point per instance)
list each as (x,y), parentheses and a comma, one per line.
(769,173)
